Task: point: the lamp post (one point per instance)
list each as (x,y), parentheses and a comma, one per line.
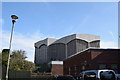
(14,18)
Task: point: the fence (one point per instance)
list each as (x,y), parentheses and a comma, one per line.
(28,75)
(19,74)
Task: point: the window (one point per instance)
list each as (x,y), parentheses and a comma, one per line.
(69,70)
(114,66)
(72,68)
(75,68)
(102,66)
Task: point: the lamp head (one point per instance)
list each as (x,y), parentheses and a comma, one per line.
(14,18)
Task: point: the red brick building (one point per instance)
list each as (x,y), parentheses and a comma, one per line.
(92,58)
(56,67)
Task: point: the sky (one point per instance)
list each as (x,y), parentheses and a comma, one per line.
(39,20)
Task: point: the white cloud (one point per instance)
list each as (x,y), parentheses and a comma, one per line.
(21,41)
(108,44)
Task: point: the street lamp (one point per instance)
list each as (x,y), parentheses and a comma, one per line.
(14,18)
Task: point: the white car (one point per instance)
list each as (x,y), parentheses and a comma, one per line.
(98,75)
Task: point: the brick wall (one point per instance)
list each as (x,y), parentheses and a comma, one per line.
(92,59)
(57,69)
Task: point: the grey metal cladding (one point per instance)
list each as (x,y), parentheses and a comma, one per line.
(41,54)
(59,49)
(85,37)
(81,45)
(56,51)
(46,41)
(71,47)
(95,43)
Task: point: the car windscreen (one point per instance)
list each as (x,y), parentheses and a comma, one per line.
(107,75)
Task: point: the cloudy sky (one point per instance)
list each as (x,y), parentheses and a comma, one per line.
(39,20)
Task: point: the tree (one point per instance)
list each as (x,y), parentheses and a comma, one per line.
(18,61)
(4,59)
(28,66)
(42,68)
(4,56)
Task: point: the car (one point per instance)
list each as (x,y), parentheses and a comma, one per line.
(104,74)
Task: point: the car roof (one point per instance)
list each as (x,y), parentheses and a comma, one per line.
(96,71)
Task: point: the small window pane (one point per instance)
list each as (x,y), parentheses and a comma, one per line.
(102,66)
(114,66)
